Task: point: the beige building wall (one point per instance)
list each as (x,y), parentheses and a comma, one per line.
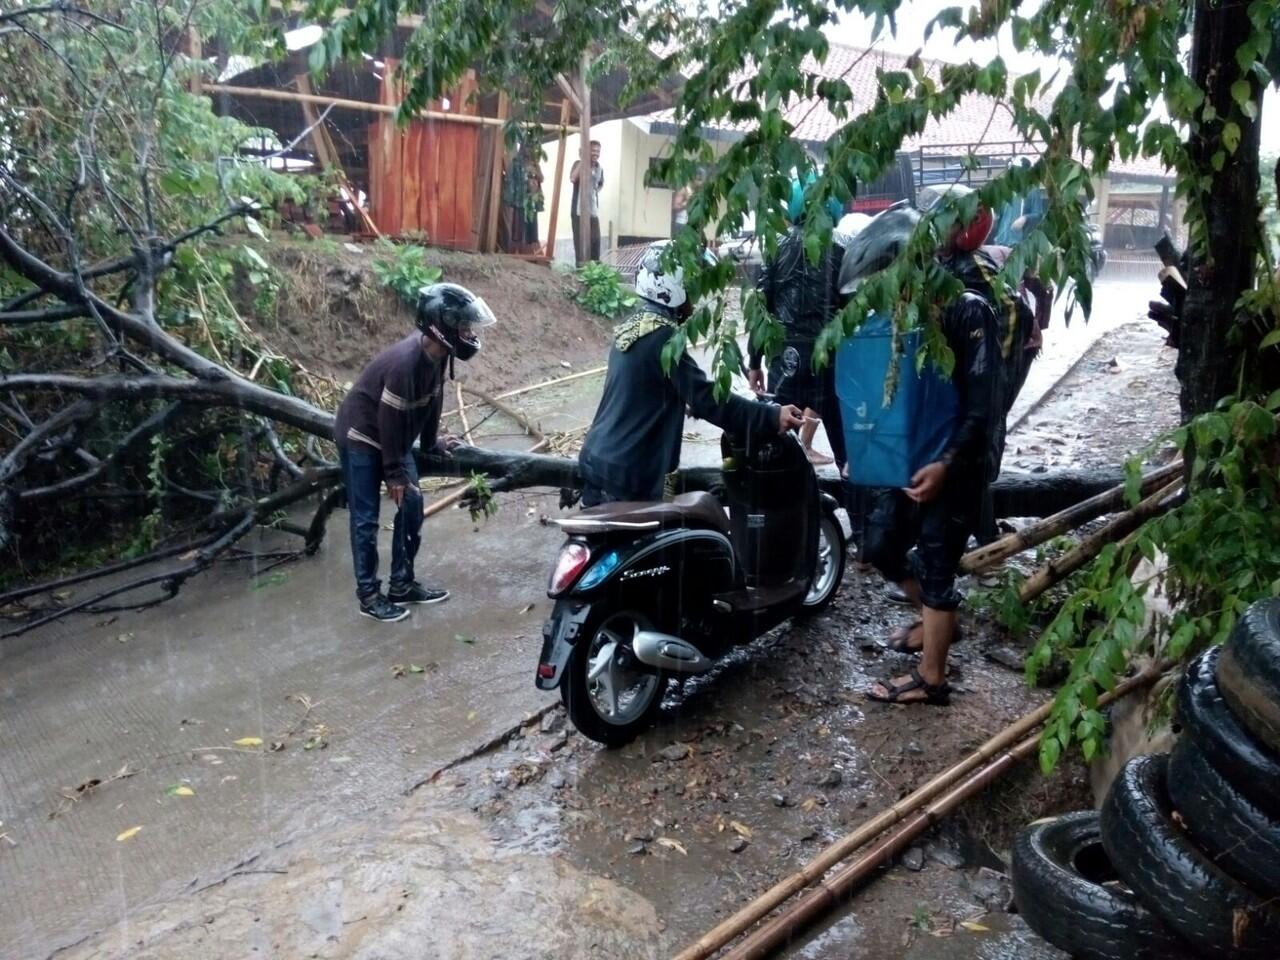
(627,207)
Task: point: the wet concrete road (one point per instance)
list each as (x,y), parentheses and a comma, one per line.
(164,694)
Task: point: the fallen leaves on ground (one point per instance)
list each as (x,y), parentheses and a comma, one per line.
(670,844)
(129,834)
(179,790)
(248,742)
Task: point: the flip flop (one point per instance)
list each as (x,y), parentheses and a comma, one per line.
(935,694)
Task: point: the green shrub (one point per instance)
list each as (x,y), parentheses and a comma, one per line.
(404,268)
(602,291)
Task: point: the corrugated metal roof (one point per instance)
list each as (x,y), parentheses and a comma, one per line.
(977,119)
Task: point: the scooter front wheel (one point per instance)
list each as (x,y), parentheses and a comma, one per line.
(609,695)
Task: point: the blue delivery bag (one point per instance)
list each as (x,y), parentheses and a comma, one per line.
(888,444)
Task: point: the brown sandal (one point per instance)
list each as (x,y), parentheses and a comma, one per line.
(935,694)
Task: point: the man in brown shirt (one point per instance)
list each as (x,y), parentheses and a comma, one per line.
(396,401)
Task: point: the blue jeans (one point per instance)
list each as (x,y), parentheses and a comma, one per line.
(362,474)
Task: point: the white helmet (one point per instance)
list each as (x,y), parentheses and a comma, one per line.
(850,226)
(662,285)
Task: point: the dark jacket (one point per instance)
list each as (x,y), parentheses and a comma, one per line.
(801,297)
(397,399)
(972,330)
(634,439)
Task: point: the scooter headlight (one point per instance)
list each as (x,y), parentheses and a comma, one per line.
(600,569)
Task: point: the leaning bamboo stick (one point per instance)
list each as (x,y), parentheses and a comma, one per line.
(462,412)
(1055,571)
(594,371)
(1062,522)
(831,893)
(504,408)
(814,870)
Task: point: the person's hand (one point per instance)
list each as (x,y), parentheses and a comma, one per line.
(755,380)
(789,418)
(446,443)
(396,492)
(927,483)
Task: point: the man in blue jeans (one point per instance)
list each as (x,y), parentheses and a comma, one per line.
(398,399)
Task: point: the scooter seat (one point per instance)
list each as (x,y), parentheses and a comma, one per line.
(697,509)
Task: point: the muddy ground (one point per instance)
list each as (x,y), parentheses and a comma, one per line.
(530,841)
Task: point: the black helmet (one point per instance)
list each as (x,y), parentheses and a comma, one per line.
(450,315)
(877,244)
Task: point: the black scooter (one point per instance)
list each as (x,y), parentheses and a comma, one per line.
(649,591)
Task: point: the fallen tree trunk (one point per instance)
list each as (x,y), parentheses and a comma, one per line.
(1016,495)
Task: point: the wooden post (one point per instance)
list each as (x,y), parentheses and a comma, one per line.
(555,183)
(585,178)
(1102,199)
(196,51)
(489,243)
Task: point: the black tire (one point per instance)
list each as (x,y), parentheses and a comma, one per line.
(1249,671)
(829,529)
(1209,722)
(1216,914)
(1059,872)
(1236,835)
(575,694)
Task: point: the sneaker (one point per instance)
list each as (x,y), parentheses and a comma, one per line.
(417,593)
(380,608)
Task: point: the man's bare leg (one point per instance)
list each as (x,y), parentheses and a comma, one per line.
(807,432)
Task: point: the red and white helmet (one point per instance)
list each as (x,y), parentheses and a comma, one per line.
(966,237)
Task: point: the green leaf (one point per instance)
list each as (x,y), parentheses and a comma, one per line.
(1270,340)
(1230,137)
(1241,92)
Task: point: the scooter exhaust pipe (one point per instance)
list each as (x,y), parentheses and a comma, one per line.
(668,653)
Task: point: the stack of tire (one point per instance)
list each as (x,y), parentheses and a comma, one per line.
(1184,859)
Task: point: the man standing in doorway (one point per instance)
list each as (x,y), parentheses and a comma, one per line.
(587,248)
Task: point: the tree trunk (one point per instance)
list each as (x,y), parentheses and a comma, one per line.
(1016,495)
(1209,357)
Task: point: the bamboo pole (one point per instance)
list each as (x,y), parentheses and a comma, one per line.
(594,371)
(830,893)
(1055,571)
(816,868)
(586,175)
(503,408)
(1061,522)
(495,179)
(290,96)
(466,427)
(555,183)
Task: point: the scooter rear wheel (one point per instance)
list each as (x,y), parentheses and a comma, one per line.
(609,695)
(830,567)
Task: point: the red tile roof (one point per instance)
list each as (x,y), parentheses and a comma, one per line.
(976,120)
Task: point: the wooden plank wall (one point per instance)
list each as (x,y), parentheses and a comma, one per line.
(423,177)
